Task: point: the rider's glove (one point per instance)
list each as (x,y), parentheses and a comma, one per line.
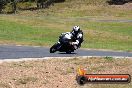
(75,43)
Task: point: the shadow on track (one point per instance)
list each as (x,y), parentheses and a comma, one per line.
(66,53)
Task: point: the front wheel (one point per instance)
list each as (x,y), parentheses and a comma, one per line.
(53,48)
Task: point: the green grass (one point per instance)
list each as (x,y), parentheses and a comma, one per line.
(44,31)
(22,33)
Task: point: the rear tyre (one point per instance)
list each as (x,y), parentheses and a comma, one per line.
(68,52)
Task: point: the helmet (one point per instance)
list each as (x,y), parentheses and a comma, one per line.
(76,29)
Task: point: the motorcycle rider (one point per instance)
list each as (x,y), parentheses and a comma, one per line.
(77,36)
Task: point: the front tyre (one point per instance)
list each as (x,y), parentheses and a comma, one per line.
(53,49)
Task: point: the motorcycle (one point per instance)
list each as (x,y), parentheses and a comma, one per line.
(64,44)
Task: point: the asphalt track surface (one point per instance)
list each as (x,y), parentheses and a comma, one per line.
(17,52)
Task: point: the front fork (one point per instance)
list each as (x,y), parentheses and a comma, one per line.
(58,45)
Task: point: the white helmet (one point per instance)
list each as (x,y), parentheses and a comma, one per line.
(76,30)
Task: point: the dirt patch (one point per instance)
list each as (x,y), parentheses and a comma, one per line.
(60,73)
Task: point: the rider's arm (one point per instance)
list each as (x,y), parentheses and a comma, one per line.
(80,36)
(75,43)
(79,39)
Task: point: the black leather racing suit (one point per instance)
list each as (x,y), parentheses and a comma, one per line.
(78,38)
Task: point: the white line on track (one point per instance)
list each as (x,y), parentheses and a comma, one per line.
(46,58)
